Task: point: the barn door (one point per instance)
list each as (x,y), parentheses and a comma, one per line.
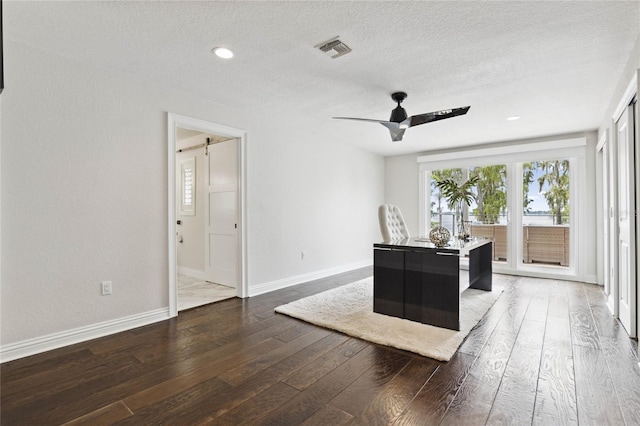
(221,246)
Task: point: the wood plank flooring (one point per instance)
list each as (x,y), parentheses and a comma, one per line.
(547,353)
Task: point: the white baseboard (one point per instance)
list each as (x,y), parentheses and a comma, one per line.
(81,334)
(193,273)
(255,290)
(591,279)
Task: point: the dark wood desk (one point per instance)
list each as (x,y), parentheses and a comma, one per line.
(413,279)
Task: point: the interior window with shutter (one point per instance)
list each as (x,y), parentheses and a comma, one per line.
(188,186)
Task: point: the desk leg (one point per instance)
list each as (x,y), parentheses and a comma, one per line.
(441,289)
(480,267)
(388,282)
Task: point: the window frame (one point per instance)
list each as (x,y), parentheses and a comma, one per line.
(513,156)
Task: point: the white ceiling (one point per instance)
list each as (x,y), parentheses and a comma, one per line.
(555,64)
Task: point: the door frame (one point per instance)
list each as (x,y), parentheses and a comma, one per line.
(174,121)
(628,96)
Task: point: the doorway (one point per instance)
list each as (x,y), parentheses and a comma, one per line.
(206,212)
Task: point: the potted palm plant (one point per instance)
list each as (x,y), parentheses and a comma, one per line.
(457,193)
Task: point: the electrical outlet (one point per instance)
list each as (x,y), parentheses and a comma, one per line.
(106,288)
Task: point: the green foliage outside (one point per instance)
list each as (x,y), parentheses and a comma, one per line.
(438,176)
(556,174)
(527,179)
(488,189)
(490,192)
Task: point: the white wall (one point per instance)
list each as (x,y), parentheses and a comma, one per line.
(310,196)
(401,188)
(84,196)
(623,84)
(630,70)
(190,252)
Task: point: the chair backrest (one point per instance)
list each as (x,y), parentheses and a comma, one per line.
(392,224)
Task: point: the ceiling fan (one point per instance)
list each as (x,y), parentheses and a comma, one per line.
(399,122)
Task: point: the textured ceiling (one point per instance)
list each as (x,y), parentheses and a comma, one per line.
(555,64)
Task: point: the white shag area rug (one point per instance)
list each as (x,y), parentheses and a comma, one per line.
(349,309)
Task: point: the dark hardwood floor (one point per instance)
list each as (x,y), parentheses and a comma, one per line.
(547,352)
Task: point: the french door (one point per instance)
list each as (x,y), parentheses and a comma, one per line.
(539,236)
(531,199)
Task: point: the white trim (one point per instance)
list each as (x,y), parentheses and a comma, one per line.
(602,140)
(612,301)
(81,334)
(627,97)
(514,217)
(501,268)
(424,194)
(255,290)
(503,150)
(193,273)
(577,215)
(171,215)
(242,226)
(637,197)
(601,220)
(176,120)
(591,279)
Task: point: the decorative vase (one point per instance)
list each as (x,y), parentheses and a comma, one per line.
(461,225)
(439,236)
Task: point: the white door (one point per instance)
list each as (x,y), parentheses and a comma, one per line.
(221,239)
(607,215)
(626,223)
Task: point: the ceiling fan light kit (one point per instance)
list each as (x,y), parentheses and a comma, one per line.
(399,122)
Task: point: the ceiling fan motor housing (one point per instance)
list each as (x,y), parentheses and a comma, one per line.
(398,114)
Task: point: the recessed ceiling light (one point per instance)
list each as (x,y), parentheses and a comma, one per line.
(513,118)
(222,52)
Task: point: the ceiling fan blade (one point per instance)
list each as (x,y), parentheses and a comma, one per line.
(360,119)
(394,128)
(416,120)
(396,131)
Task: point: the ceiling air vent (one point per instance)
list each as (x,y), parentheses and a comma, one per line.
(334,48)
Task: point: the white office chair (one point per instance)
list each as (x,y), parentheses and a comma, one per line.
(392,224)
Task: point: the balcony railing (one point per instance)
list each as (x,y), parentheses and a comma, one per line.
(542,242)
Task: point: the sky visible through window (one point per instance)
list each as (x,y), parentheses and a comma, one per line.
(538,204)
